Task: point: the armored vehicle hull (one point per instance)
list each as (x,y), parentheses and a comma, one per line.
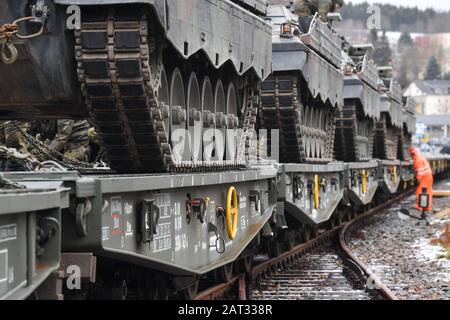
(408,129)
(355,123)
(388,130)
(305,89)
(147,73)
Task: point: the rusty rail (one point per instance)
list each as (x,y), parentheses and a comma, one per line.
(294,254)
(219,290)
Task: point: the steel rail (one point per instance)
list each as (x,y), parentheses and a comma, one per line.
(218,290)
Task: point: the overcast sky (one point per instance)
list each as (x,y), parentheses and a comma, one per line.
(423,4)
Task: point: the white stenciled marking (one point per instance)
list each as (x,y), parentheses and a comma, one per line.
(212,243)
(11,275)
(116,222)
(116,205)
(177,243)
(3,265)
(128,208)
(129,230)
(243,222)
(242,202)
(184,241)
(163,240)
(8,232)
(105,233)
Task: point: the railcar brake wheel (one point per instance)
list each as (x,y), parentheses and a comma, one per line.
(364,176)
(316,192)
(232,212)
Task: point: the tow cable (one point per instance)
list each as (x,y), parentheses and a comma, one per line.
(11,31)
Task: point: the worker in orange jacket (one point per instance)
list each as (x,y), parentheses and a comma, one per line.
(424,175)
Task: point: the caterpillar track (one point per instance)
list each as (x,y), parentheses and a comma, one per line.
(119,66)
(306,128)
(386,141)
(404,143)
(354,137)
(119,78)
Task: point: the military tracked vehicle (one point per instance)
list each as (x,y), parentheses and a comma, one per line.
(356,121)
(389,128)
(409,128)
(144,72)
(300,99)
(305,89)
(140,78)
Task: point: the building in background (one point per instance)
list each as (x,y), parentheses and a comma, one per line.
(432,97)
(437,127)
(432,100)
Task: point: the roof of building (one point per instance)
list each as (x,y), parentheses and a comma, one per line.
(433,120)
(438,87)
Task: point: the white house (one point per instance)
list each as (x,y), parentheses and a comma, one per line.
(432,97)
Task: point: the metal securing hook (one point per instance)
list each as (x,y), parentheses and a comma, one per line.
(9,31)
(220,241)
(9,53)
(82,210)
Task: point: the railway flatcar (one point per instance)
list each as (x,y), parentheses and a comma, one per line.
(185,95)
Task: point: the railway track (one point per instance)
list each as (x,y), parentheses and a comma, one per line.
(319,275)
(322,268)
(408,256)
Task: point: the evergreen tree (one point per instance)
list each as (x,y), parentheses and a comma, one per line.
(408,67)
(405,40)
(382,54)
(400,18)
(433,69)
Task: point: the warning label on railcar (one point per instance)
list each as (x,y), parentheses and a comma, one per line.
(116,215)
(8,232)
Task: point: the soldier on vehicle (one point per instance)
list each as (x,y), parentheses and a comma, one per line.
(96,152)
(71,139)
(306,8)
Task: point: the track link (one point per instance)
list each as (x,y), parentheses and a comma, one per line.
(282,108)
(404,143)
(113,52)
(246,151)
(387,141)
(349,140)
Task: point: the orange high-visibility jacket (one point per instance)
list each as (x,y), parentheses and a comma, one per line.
(422,167)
